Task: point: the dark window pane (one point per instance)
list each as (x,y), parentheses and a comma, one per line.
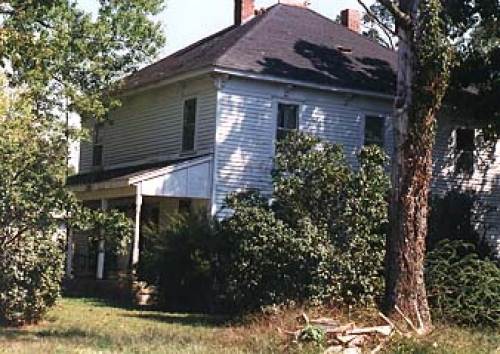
(97,155)
(374,130)
(465,146)
(189,125)
(465,140)
(288,119)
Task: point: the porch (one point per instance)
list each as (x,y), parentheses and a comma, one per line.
(150,196)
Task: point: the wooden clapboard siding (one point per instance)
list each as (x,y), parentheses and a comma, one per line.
(148,125)
(485,180)
(246,128)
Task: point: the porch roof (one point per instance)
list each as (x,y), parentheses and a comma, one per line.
(168,178)
(122,173)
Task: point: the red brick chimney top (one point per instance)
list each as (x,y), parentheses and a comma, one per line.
(351,19)
(244,10)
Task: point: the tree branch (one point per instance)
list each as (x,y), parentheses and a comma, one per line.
(402,18)
(369,12)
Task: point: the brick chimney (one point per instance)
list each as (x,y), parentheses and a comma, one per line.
(243,11)
(351,19)
(299,3)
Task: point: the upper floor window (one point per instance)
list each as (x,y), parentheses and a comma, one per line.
(288,119)
(374,130)
(189,125)
(464,150)
(97,145)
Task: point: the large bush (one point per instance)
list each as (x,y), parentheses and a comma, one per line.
(322,237)
(269,262)
(462,287)
(180,262)
(30,275)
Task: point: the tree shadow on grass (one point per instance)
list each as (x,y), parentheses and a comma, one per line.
(192,320)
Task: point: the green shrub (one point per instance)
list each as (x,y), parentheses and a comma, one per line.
(313,179)
(322,238)
(268,262)
(180,261)
(462,287)
(31,270)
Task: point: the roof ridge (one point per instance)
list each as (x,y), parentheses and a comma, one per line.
(257,20)
(346,29)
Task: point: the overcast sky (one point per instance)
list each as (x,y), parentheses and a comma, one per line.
(186,21)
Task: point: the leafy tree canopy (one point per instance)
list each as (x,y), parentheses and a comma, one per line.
(473,26)
(63,53)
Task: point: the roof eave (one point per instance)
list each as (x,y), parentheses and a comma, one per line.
(271,78)
(168,81)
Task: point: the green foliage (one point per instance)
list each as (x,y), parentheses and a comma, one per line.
(180,261)
(112,226)
(459,215)
(30,274)
(312,334)
(61,52)
(34,204)
(323,237)
(462,287)
(382,34)
(314,180)
(269,262)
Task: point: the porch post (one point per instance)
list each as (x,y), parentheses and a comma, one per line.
(137,230)
(101,247)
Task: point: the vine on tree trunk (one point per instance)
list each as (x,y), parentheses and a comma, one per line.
(425,60)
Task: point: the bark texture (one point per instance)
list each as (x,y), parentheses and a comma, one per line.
(422,80)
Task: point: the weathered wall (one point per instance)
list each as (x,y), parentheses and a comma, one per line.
(148,125)
(246,129)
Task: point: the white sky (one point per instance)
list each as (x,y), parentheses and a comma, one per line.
(186,21)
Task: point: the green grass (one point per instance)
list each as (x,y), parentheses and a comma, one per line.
(92,326)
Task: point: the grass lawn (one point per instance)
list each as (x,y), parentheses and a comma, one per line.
(91,326)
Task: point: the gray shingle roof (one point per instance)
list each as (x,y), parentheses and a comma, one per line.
(286,42)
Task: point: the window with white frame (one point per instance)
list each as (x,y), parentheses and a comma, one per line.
(97,145)
(374,131)
(288,119)
(189,125)
(464,150)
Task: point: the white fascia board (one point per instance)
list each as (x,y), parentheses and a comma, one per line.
(169,169)
(270,78)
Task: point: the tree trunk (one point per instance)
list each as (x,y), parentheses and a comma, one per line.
(424,61)
(411,177)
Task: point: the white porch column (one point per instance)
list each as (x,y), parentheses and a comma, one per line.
(101,247)
(70,250)
(137,230)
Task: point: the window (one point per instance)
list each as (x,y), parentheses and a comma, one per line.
(374,130)
(464,150)
(288,119)
(97,148)
(189,125)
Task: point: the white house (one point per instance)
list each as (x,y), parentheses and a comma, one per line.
(204,121)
